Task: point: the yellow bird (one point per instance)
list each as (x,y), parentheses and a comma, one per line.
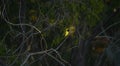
(69,31)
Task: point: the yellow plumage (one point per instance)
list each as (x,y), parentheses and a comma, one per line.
(66,32)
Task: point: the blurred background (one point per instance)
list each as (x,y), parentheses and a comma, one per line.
(59,32)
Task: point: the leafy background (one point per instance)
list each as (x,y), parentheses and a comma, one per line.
(32,32)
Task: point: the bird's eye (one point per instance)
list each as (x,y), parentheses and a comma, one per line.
(68,30)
